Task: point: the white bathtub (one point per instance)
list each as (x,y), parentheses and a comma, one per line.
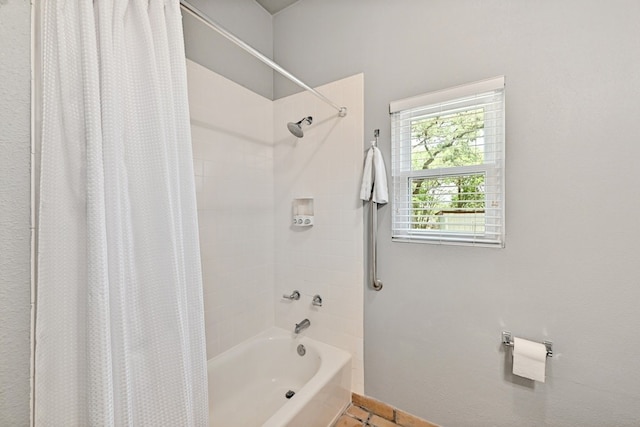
(248,383)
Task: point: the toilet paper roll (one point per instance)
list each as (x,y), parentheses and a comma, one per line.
(529,359)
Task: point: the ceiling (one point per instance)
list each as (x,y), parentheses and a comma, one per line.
(275,6)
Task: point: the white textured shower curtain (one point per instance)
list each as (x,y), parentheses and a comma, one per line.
(119,323)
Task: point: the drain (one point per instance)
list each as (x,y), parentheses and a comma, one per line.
(289,394)
(301,350)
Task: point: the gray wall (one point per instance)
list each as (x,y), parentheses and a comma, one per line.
(15,148)
(246,20)
(569,272)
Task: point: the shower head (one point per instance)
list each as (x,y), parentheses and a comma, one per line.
(296,128)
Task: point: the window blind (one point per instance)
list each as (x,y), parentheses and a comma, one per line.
(448,165)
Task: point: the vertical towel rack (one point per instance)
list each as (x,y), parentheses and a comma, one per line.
(376,283)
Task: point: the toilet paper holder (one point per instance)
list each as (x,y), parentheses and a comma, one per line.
(507,341)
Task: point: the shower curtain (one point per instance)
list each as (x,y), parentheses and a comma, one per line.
(119,315)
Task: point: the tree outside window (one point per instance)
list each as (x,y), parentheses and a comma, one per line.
(448,202)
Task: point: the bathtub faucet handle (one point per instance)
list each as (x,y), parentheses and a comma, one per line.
(317,301)
(294,296)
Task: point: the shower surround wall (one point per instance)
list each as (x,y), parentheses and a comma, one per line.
(327,258)
(232,130)
(248,169)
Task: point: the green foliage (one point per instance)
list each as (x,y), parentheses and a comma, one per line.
(449,140)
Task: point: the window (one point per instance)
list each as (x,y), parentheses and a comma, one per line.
(448,165)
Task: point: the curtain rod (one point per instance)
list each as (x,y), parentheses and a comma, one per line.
(342,111)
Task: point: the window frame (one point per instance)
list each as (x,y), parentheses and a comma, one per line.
(433,104)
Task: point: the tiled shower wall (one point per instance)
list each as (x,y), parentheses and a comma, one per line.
(327,258)
(232,132)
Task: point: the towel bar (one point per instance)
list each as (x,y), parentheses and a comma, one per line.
(376,283)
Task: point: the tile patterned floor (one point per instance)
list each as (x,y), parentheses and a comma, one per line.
(368,412)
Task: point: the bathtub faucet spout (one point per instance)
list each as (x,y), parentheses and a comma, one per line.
(302,326)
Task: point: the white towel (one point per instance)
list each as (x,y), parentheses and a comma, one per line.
(374,178)
(367,177)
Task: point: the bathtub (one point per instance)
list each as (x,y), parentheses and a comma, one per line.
(248,383)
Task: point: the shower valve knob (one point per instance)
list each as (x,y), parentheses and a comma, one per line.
(317,301)
(295,295)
